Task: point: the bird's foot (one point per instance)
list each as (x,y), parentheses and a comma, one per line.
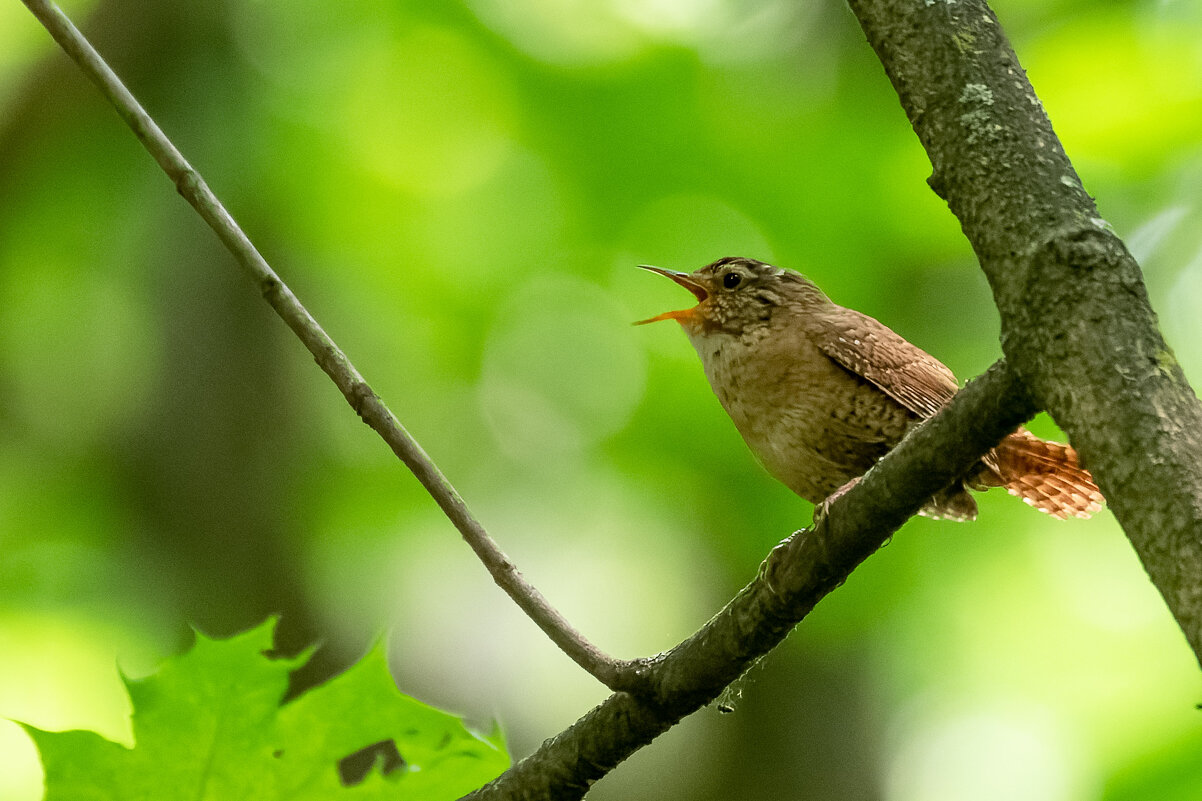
(824,506)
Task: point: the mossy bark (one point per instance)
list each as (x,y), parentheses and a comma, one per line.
(1076,322)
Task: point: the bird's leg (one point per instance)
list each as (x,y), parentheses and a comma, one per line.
(822,507)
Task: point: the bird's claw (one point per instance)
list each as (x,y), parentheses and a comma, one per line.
(824,506)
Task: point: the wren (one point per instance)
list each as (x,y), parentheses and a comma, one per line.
(820,392)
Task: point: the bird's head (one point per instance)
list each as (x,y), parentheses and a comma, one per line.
(735,294)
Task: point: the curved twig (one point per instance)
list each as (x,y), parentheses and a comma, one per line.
(189,183)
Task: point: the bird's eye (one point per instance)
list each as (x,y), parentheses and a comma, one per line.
(731,280)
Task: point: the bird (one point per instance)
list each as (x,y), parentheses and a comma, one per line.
(820,392)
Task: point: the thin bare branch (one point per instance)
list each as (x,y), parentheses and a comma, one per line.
(612,673)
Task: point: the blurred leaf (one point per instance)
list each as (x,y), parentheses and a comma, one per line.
(209,725)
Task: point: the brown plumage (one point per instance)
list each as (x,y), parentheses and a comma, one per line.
(819,392)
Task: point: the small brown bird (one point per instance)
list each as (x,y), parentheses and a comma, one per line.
(821,392)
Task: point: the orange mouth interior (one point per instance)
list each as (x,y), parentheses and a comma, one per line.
(685,281)
(680,314)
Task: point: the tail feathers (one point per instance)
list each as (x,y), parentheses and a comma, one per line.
(953,503)
(1046,475)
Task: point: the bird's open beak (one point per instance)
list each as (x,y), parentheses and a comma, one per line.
(700,292)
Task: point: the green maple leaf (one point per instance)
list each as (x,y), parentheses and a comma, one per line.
(209,725)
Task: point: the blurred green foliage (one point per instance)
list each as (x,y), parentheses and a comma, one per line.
(459,190)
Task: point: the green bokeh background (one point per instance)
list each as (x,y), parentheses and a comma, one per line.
(459,190)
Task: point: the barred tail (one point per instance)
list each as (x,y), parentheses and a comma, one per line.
(1046,475)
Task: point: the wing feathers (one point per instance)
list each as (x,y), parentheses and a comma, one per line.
(904,372)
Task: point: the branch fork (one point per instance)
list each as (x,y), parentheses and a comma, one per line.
(650,694)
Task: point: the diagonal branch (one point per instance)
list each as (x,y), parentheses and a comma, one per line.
(325,351)
(1076,322)
(796,575)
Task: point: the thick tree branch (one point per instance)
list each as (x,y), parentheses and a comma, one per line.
(1076,322)
(796,575)
(325,351)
